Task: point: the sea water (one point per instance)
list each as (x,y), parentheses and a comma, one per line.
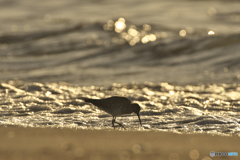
(212,109)
(178,59)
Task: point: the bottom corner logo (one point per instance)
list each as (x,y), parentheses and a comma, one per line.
(212,153)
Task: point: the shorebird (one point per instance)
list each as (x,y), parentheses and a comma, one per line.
(116,106)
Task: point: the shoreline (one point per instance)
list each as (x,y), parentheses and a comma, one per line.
(53,143)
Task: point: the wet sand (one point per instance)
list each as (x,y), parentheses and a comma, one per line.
(45,143)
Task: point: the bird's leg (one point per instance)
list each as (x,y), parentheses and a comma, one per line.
(120,124)
(113,121)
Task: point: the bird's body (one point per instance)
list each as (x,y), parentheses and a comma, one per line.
(115,106)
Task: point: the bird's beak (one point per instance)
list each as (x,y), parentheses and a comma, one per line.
(139,118)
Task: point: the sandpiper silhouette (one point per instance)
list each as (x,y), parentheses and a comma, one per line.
(115,106)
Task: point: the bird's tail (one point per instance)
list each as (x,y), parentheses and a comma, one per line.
(85,99)
(93,101)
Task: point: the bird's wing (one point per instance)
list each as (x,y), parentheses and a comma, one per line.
(118,99)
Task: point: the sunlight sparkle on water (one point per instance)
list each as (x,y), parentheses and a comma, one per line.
(161,34)
(171,92)
(182,33)
(179,109)
(210,33)
(132,35)
(133,32)
(211,11)
(148,38)
(144,40)
(48,93)
(109,25)
(146,27)
(163,97)
(120,25)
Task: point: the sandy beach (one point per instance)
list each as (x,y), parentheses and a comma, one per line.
(41,143)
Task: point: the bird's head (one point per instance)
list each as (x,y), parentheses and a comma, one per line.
(136,109)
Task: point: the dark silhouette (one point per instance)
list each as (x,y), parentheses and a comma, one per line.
(115,106)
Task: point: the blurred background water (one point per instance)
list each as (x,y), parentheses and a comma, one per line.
(101,43)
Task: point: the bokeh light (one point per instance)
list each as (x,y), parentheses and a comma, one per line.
(173,156)
(182,33)
(109,25)
(136,148)
(194,154)
(211,11)
(131,33)
(146,27)
(148,38)
(210,33)
(144,40)
(120,25)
